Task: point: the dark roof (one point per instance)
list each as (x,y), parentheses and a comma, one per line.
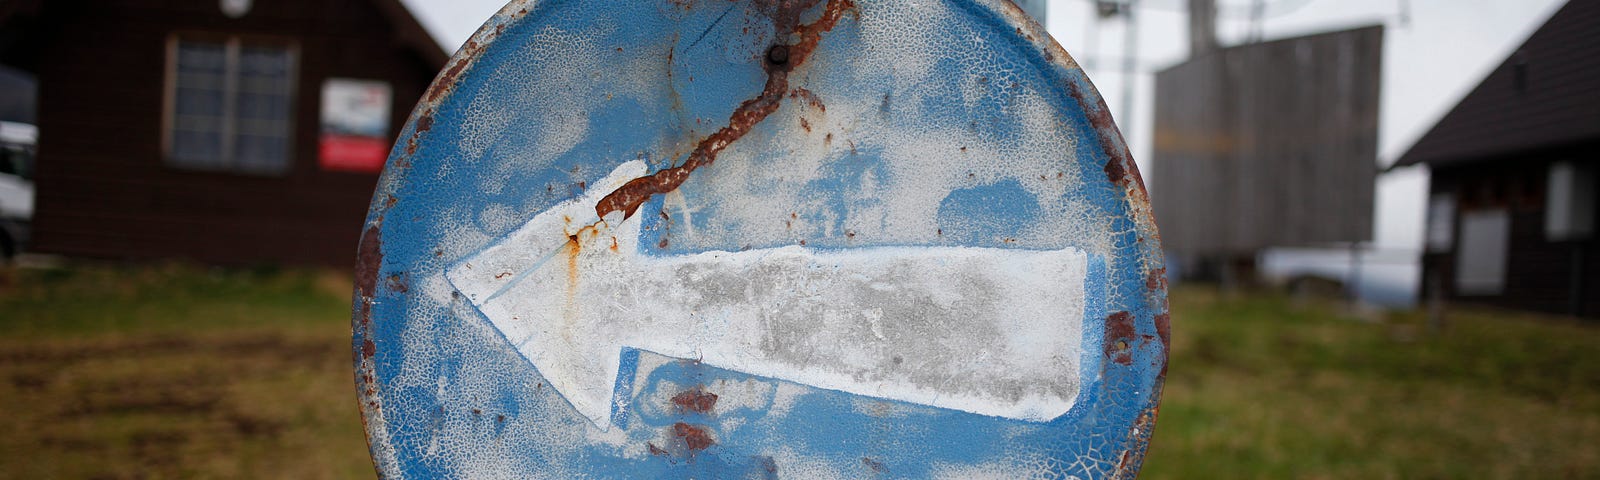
(18,96)
(412,34)
(408,31)
(1546,94)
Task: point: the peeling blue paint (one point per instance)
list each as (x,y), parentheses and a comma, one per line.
(966,99)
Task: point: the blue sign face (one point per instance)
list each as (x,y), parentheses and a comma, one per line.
(796,238)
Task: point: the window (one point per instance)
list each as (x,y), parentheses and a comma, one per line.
(1481,260)
(1569,213)
(229,105)
(1440,233)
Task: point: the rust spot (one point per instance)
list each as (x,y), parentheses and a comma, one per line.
(809,97)
(630,196)
(369,259)
(876,466)
(654,450)
(696,438)
(1119,331)
(389,201)
(368,349)
(447,80)
(400,282)
(1143,428)
(1164,328)
(573,250)
(424,123)
(662,244)
(695,400)
(1120,167)
(1114,171)
(1124,462)
(501,275)
(805,124)
(1156,279)
(778,54)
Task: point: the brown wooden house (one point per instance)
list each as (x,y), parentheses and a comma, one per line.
(1512,211)
(230,132)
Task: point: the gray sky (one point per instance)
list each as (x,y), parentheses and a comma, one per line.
(1429,63)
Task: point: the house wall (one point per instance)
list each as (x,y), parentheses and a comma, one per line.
(1542,274)
(104,189)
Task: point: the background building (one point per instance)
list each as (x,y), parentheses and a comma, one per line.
(1035,8)
(1264,145)
(227,132)
(1511,214)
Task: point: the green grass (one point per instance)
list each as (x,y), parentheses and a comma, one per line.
(1260,387)
(174,371)
(177,372)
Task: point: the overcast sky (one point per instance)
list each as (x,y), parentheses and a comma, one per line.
(1430,62)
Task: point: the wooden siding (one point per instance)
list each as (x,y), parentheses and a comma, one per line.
(1540,273)
(103,187)
(1268,145)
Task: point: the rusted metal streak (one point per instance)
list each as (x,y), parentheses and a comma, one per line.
(694,437)
(696,400)
(631,195)
(1118,337)
(369,261)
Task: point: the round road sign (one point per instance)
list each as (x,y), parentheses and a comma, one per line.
(760,239)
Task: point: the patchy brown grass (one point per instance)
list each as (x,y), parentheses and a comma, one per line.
(177,372)
(174,371)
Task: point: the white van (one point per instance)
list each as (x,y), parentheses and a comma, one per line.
(17,147)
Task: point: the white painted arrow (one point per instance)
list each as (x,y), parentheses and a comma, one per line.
(984,330)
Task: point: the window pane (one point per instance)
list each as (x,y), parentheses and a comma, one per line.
(262,107)
(199,101)
(1481,260)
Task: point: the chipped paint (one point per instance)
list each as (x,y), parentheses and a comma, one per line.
(895,122)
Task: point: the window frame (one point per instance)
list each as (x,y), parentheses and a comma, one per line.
(233,45)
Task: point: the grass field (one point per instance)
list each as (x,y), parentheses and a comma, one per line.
(182,372)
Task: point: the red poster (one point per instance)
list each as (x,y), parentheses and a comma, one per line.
(355,125)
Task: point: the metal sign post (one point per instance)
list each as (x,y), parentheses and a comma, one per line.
(798,239)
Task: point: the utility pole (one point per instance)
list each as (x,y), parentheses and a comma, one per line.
(1202,27)
(1130,61)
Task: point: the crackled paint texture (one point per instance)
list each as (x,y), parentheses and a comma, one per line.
(885,127)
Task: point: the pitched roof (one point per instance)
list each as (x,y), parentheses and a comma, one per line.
(412,34)
(1545,94)
(408,31)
